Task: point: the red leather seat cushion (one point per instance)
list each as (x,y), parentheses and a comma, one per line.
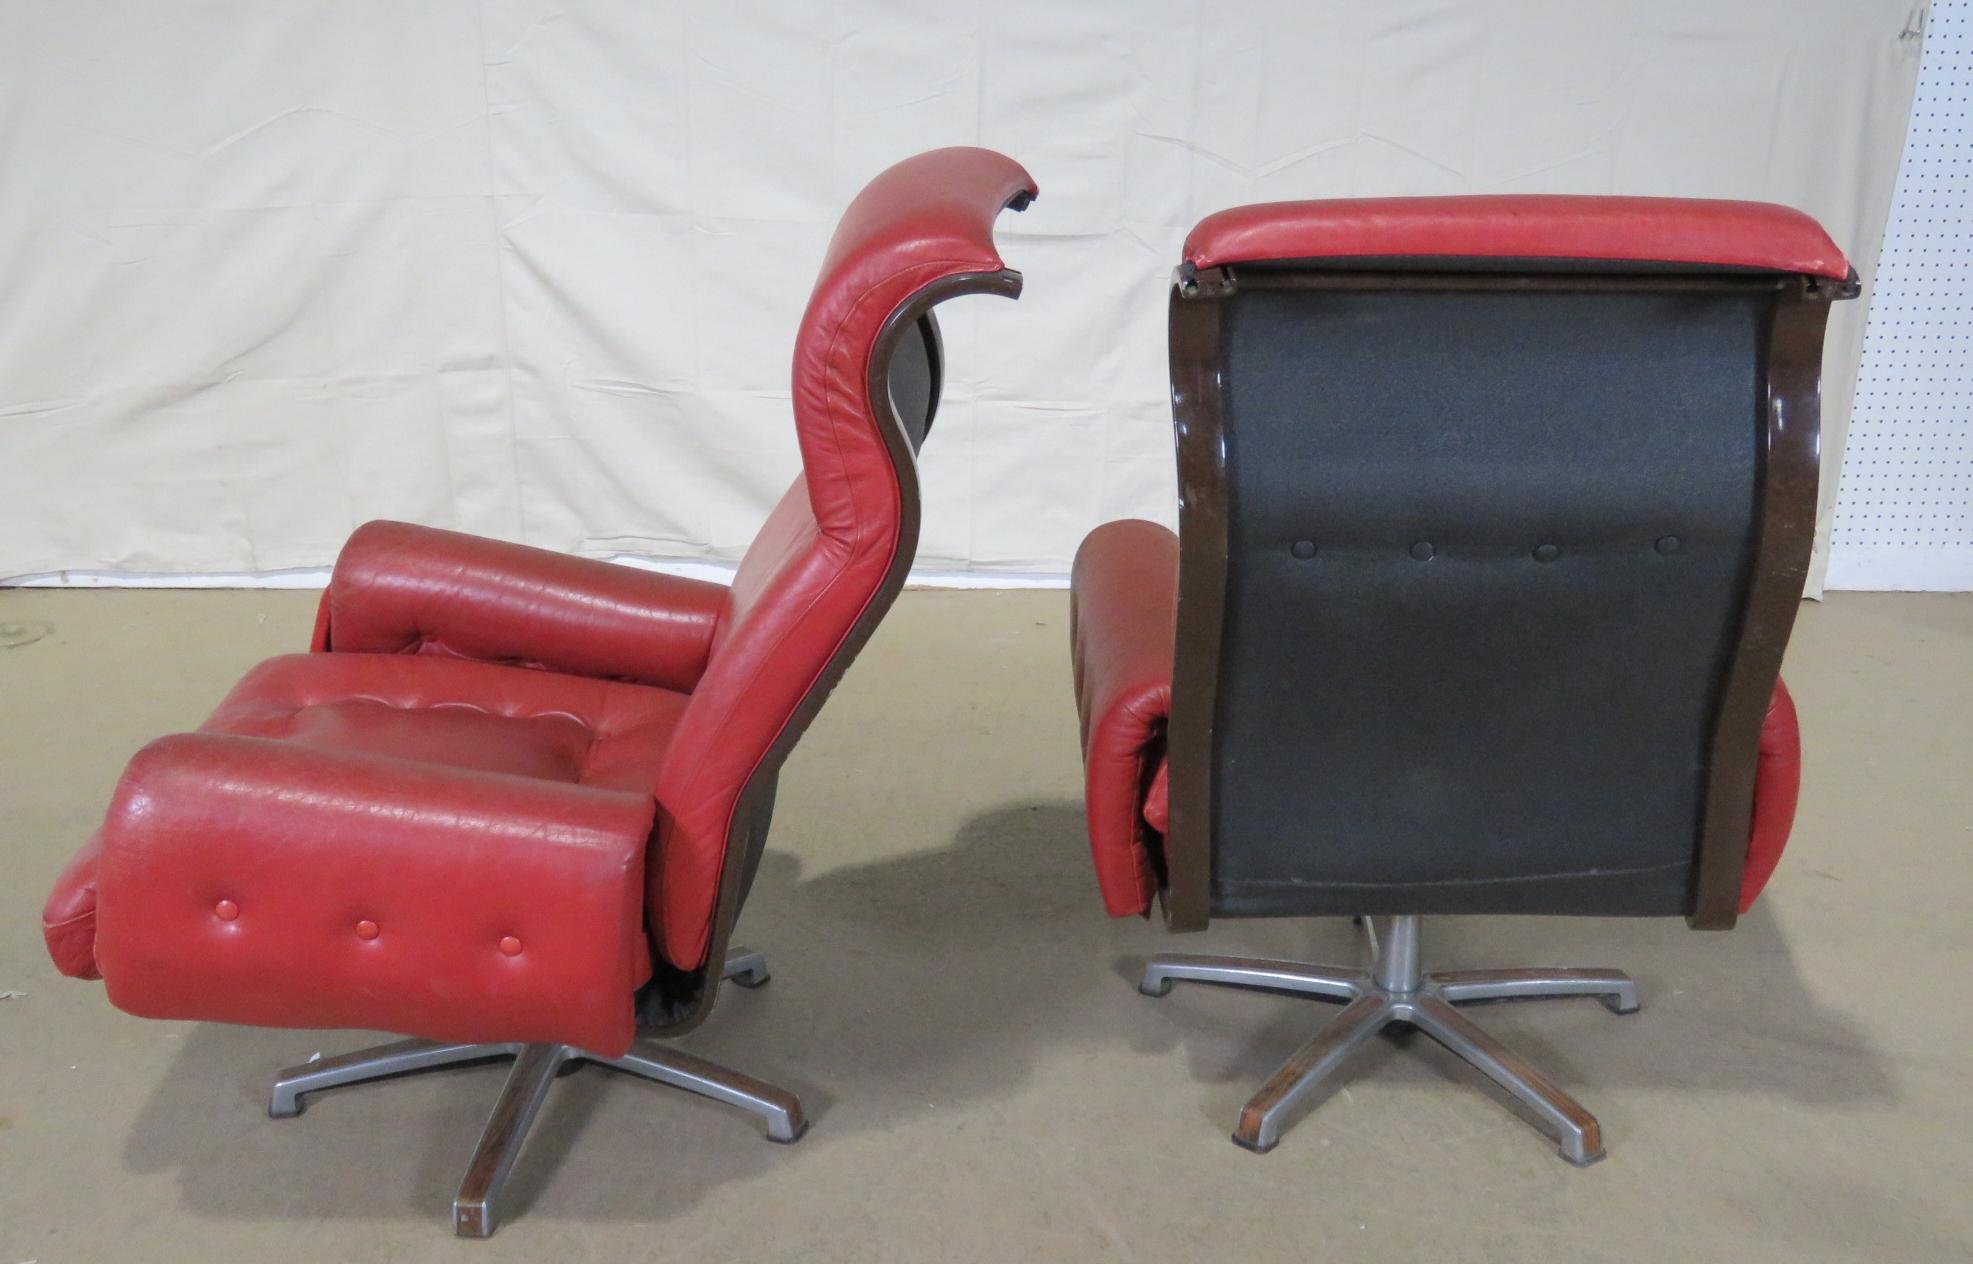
(454,713)
(459,713)
(1522,226)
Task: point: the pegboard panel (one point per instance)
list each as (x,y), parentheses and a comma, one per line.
(1904,505)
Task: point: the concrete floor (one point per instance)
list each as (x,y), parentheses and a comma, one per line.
(984,1082)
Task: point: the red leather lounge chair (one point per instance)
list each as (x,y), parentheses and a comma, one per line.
(1494,515)
(511,803)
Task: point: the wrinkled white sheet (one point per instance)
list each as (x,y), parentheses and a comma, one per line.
(533,270)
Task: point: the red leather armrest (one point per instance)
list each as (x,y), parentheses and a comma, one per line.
(1777,786)
(1123,605)
(399,588)
(68,919)
(253,881)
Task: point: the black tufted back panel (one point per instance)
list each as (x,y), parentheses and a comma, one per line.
(1488,551)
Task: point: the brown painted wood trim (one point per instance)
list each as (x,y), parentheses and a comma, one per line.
(1199,429)
(1787,485)
(935,354)
(755,802)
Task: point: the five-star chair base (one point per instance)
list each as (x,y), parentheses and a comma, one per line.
(1393,989)
(475,1210)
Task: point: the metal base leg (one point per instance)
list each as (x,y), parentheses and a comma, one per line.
(475,1211)
(474,1208)
(1262,1118)
(1393,989)
(779,1109)
(382,1062)
(746,967)
(1334,982)
(1613,987)
(1576,1131)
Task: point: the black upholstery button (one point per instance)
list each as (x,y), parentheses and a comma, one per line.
(1667,544)
(1304,549)
(1423,550)
(1546,552)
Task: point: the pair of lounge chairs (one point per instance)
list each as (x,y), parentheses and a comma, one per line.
(1493,514)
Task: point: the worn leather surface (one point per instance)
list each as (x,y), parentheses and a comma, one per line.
(239,874)
(506,775)
(430,796)
(1695,231)
(1777,789)
(1123,603)
(823,554)
(1122,606)
(68,918)
(399,588)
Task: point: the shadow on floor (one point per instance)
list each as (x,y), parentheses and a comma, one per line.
(936,980)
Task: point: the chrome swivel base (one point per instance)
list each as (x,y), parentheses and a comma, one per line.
(1392,989)
(535,1068)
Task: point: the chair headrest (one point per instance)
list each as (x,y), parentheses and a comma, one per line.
(1651,230)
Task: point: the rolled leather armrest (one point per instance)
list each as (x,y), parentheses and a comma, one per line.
(1777,787)
(68,919)
(399,588)
(253,881)
(1123,605)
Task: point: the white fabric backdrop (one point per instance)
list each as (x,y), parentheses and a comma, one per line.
(533,270)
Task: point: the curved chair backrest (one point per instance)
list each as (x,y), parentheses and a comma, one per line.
(834,553)
(1494,517)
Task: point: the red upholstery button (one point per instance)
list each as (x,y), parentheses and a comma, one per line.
(226,910)
(511,946)
(366,929)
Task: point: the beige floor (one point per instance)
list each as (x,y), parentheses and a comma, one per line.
(984,1083)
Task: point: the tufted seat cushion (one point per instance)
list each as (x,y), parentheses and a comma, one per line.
(356,772)
(459,713)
